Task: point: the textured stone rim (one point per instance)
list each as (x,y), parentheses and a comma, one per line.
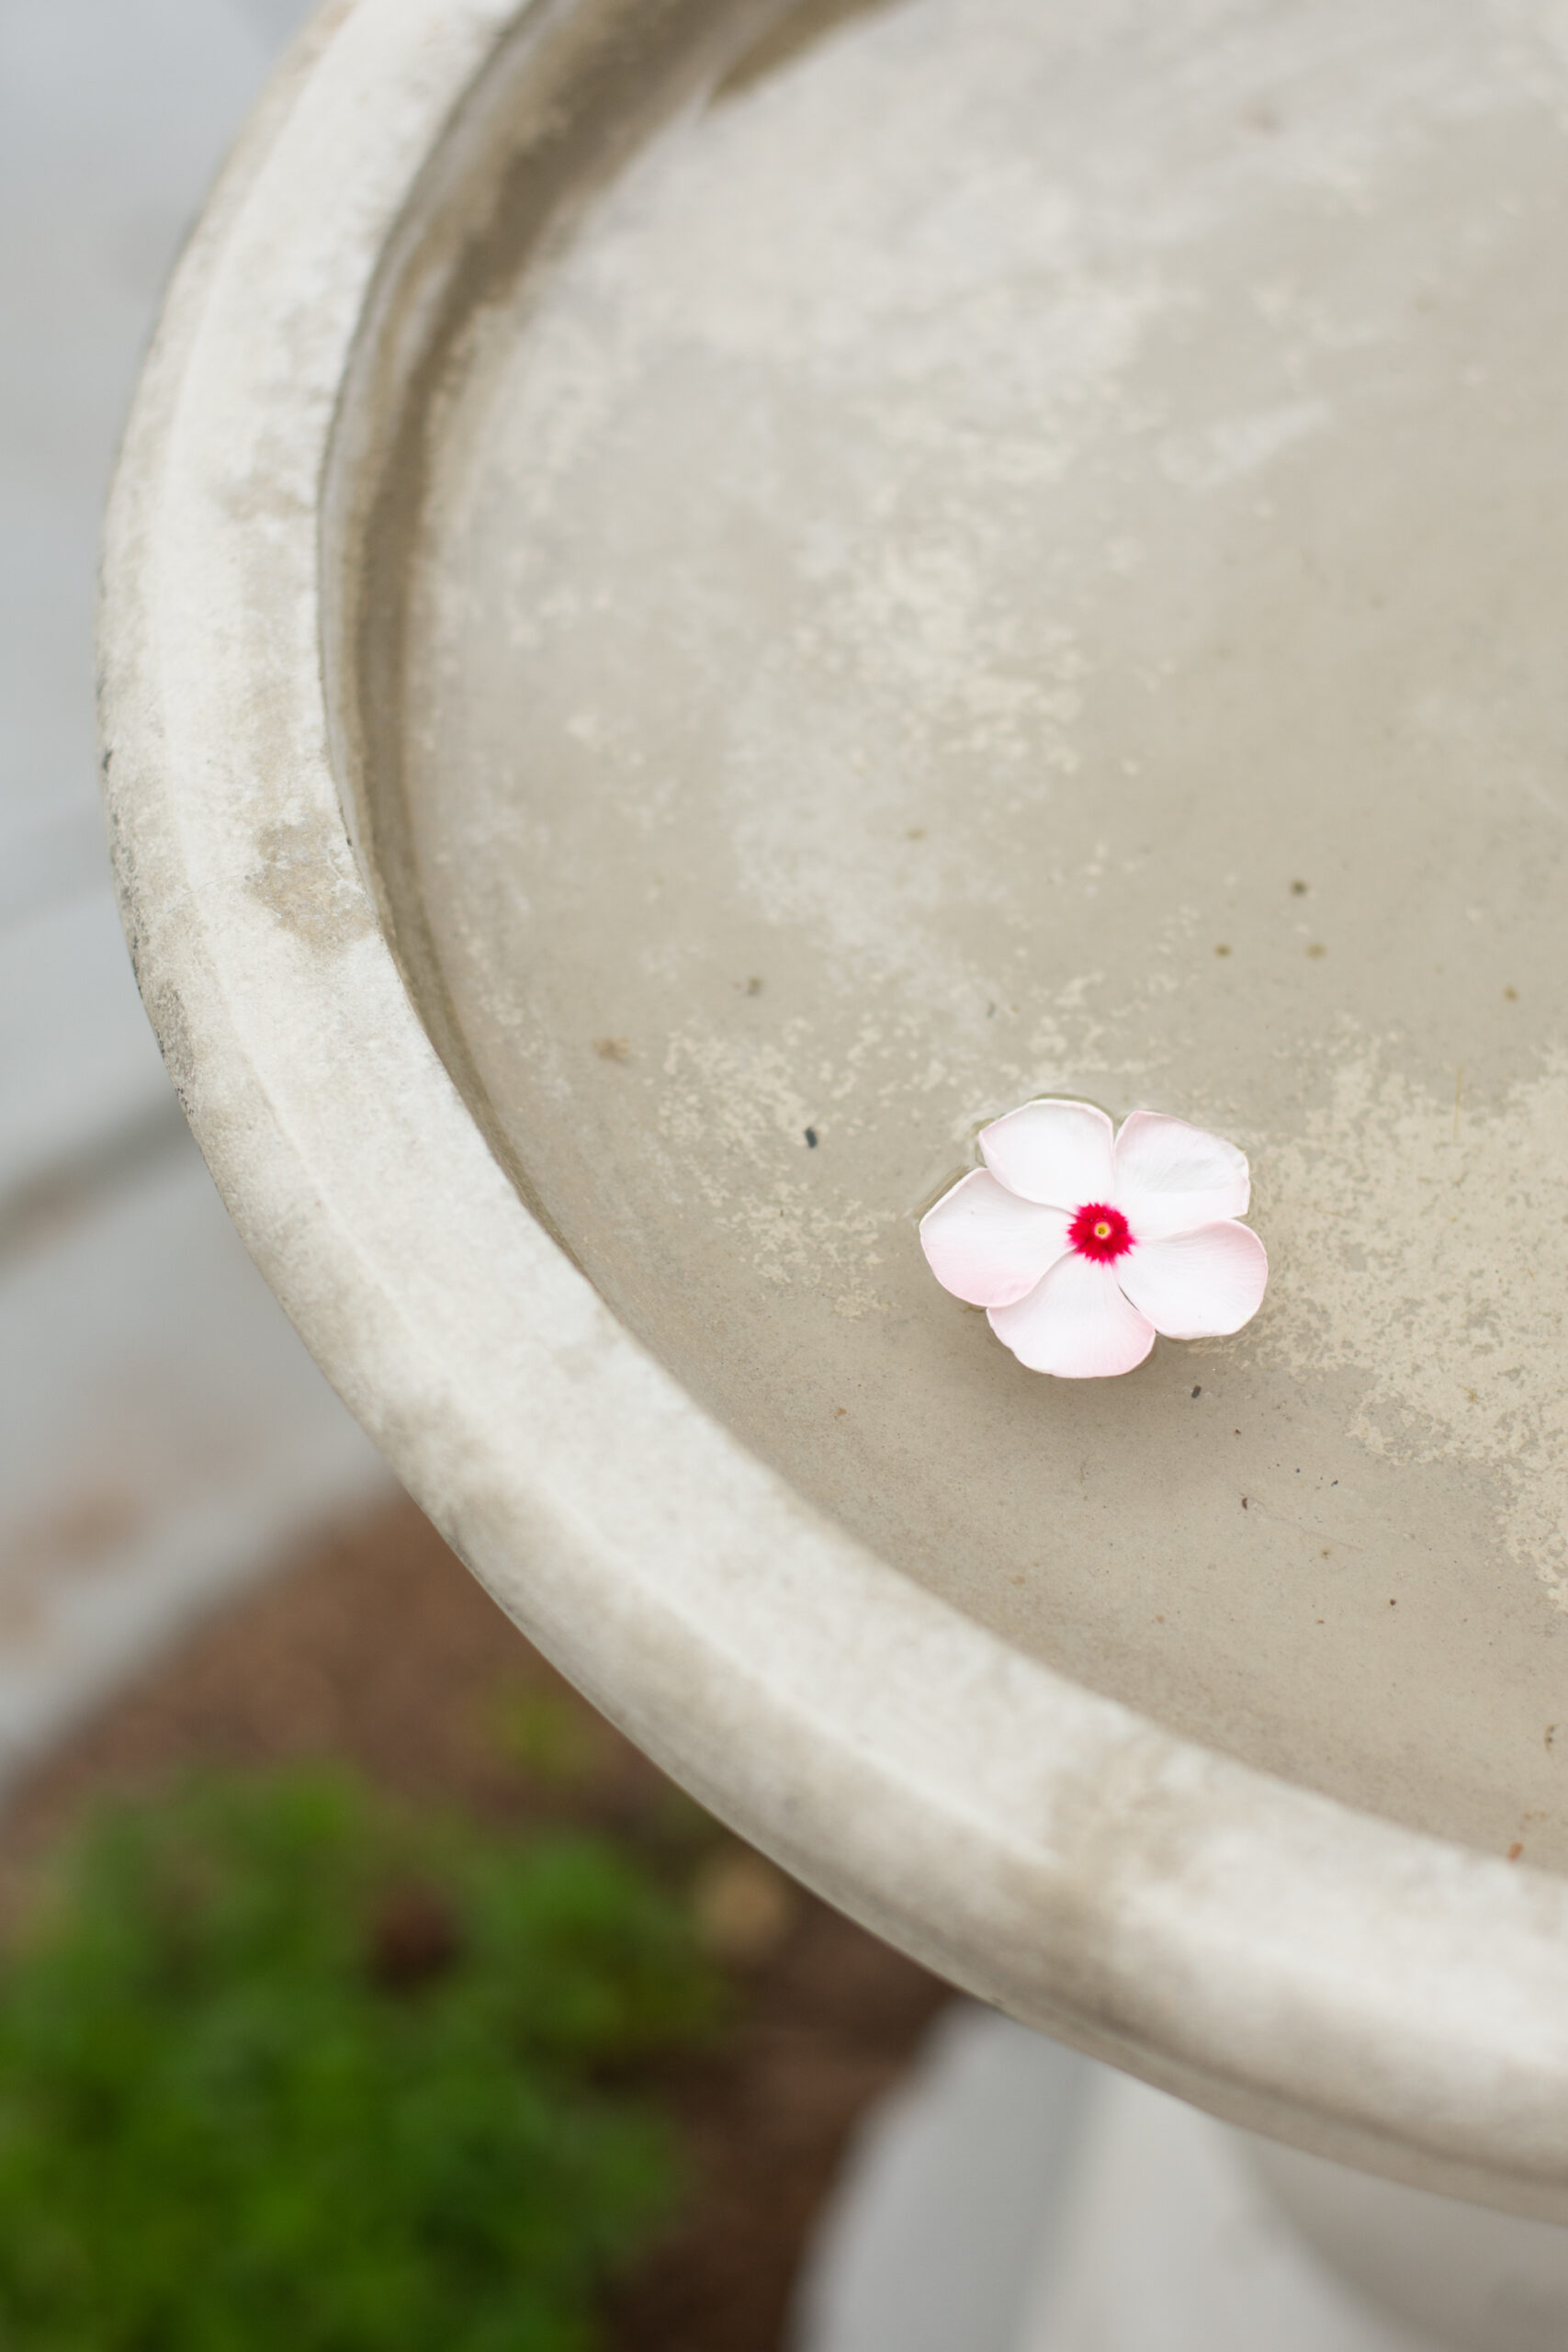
(1316,1974)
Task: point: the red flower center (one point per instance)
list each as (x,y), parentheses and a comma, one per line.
(1100,1232)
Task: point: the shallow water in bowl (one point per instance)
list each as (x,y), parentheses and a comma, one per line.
(1016,549)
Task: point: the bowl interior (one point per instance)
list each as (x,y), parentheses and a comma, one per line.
(965,549)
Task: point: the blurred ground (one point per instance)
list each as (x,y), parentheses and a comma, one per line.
(378,1646)
(162,1433)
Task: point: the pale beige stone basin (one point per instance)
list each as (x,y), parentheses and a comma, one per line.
(847,567)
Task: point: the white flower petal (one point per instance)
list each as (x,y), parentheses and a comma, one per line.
(1198,1285)
(1076,1323)
(1171,1178)
(1055,1152)
(986,1245)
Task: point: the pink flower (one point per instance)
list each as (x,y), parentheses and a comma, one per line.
(1082,1243)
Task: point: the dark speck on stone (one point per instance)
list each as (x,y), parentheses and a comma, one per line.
(1197,1391)
(811,1138)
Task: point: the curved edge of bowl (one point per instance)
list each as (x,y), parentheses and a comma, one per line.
(1314,1973)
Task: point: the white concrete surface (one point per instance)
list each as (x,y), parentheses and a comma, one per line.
(1011,2196)
(162,1431)
(1168,2242)
(943,2212)
(1462,2276)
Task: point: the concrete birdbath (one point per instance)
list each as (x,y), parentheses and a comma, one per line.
(701,599)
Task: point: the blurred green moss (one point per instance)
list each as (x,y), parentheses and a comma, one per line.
(284,2068)
(554,1739)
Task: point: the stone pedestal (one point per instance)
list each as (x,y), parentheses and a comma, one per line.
(1015,2198)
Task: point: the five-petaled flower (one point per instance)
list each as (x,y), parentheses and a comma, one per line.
(1082,1242)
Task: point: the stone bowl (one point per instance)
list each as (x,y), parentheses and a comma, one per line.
(702,597)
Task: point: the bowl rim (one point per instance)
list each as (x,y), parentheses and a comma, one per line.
(1313,1972)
